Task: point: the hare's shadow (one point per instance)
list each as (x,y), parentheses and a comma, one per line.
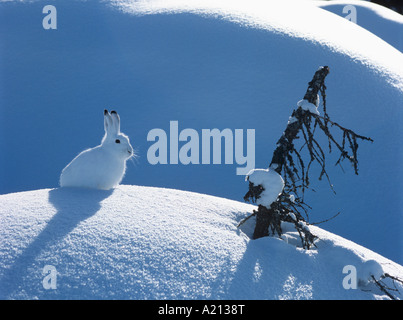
(73,206)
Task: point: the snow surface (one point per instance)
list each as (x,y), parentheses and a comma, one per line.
(206,64)
(152,243)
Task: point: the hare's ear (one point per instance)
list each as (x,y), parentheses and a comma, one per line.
(108,122)
(116,121)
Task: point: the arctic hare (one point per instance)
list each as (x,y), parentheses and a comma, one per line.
(104,166)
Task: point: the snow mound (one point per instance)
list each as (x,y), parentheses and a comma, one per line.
(368,271)
(305,21)
(148,243)
(381,21)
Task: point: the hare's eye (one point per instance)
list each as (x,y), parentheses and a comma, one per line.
(117,141)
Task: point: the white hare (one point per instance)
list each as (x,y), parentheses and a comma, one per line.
(104,166)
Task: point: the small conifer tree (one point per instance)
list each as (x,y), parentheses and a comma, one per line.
(291,165)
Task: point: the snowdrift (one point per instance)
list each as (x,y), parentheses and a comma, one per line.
(151,243)
(205,64)
(386,24)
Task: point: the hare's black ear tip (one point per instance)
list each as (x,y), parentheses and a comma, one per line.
(105,112)
(113,111)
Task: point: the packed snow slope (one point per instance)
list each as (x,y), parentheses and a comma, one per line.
(151,243)
(386,24)
(206,64)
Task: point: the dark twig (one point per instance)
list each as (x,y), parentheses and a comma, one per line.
(383,288)
(327,220)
